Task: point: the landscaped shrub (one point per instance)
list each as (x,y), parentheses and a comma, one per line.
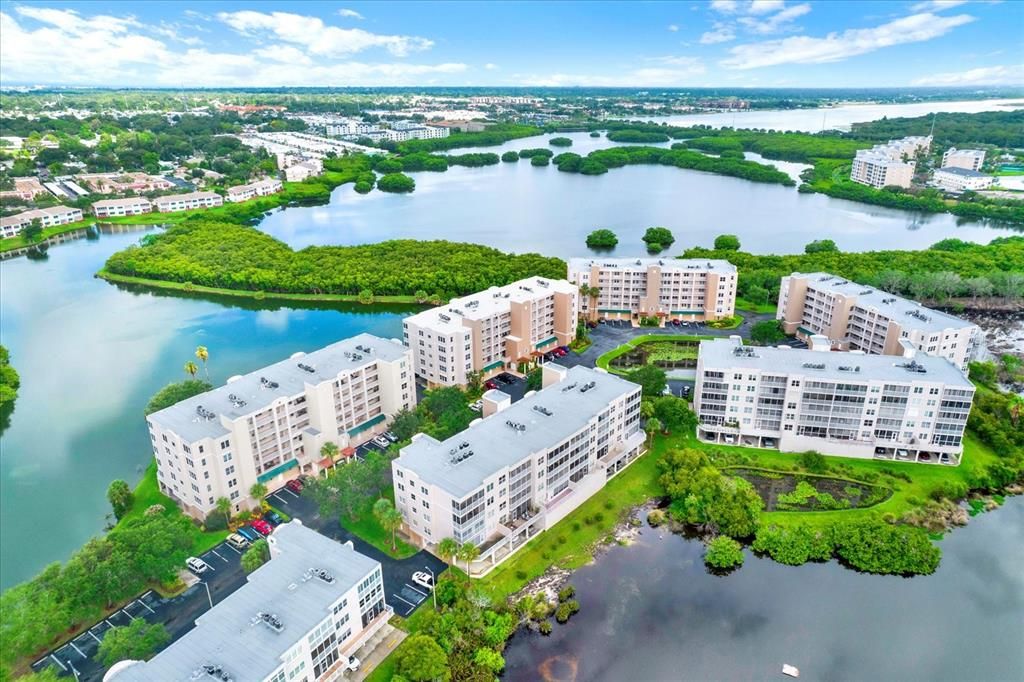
(545,627)
(521,574)
(655,517)
(567,592)
(562,613)
(814,462)
(723,552)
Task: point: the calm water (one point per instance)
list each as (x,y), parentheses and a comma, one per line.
(90,355)
(814,120)
(519,207)
(651,612)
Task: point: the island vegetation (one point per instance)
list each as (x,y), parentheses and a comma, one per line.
(658,239)
(560,142)
(232,257)
(396,183)
(496,134)
(602,239)
(9,379)
(643,136)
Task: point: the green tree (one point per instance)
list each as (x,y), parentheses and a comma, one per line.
(510,156)
(389,518)
(136,641)
(191,369)
(421,296)
(673,413)
(534,379)
(223,509)
(488,658)
(9,379)
(405,424)
(651,378)
(727,242)
(978,286)
(474,381)
(821,246)
(448,549)
(723,553)
(661,236)
(652,427)
(560,142)
(257,555)
(33,232)
(258,491)
(421,659)
(329,450)
(120,497)
(366,296)
(468,552)
(397,183)
(767,332)
(602,239)
(174,393)
(203,355)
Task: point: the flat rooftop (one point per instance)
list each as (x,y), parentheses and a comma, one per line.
(962,172)
(730,353)
(909,314)
(492,445)
(227,636)
(252,392)
(696,264)
(492,301)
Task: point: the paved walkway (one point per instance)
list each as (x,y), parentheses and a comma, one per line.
(376,650)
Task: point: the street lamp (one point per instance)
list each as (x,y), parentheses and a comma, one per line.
(207,586)
(433,586)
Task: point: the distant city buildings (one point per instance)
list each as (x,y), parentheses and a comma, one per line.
(303,144)
(11,226)
(970,159)
(668,288)
(120,183)
(524,466)
(858,317)
(300,616)
(492,330)
(269,425)
(184,202)
(890,164)
(908,408)
(957,179)
(109,208)
(260,188)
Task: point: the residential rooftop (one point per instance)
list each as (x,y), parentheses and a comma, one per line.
(232,636)
(962,172)
(538,422)
(907,313)
(185,197)
(853,366)
(698,264)
(127,201)
(248,393)
(492,301)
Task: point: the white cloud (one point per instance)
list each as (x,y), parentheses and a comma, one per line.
(776,22)
(724,6)
(69,48)
(673,27)
(318,38)
(350,13)
(936,5)
(1012,74)
(173,32)
(491,67)
(720,33)
(669,71)
(766,6)
(839,46)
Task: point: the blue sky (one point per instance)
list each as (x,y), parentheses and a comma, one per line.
(724,43)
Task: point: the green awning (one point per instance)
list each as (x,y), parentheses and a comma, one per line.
(546,342)
(369,424)
(613,310)
(281,468)
(807,331)
(687,312)
(494,365)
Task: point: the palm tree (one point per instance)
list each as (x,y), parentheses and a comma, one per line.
(468,552)
(191,369)
(258,491)
(224,508)
(652,426)
(203,355)
(329,450)
(389,518)
(448,549)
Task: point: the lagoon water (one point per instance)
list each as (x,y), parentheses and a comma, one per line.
(90,354)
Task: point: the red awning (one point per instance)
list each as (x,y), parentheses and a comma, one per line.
(326,463)
(348,452)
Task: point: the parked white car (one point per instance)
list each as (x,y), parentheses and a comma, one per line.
(197,565)
(352,664)
(423,579)
(382,441)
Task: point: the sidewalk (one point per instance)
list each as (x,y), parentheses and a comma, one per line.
(377,649)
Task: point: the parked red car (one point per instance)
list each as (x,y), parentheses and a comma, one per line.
(262,527)
(295,485)
(491,385)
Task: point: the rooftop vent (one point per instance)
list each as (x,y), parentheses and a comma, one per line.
(235,400)
(306,368)
(887,301)
(473,304)
(444,318)
(569,387)
(515,426)
(211,670)
(458,455)
(919,315)
(543,410)
(267,383)
(849,368)
(321,574)
(866,292)
(542,282)
(586,387)
(270,620)
(744,352)
(814,365)
(204,413)
(364,349)
(357,356)
(913,366)
(526,288)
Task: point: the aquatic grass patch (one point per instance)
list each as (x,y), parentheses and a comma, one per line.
(605,361)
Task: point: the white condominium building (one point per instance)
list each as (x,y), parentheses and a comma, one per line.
(669,288)
(491,330)
(301,170)
(260,188)
(47,217)
(889,164)
(910,408)
(108,208)
(189,201)
(409,130)
(268,426)
(298,617)
(524,466)
(956,179)
(970,159)
(857,317)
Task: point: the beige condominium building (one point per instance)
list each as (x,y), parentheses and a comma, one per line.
(523,466)
(858,317)
(107,208)
(268,426)
(669,288)
(890,164)
(970,159)
(492,330)
(185,202)
(260,188)
(299,616)
(909,408)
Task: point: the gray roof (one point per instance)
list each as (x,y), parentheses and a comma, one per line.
(712,265)
(909,314)
(963,172)
(495,445)
(721,354)
(183,419)
(225,635)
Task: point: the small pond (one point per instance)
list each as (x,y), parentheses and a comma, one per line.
(665,354)
(788,492)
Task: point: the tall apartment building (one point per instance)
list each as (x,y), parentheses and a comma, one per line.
(889,164)
(52,216)
(910,408)
(524,466)
(268,426)
(186,202)
(857,317)
(970,159)
(259,188)
(670,288)
(491,330)
(298,617)
(957,179)
(107,208)
(410,130)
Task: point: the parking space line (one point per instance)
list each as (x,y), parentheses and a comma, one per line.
(78,650)
(405,600)
(415,590)
(213,551)
(125,611)
(289,492)
(62,666)
(98,640)
(232,549)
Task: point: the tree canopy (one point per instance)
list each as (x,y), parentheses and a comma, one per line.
(602,239)
(176,392)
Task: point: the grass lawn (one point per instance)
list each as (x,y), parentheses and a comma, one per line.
(605,360)
(751,307)
(369,529)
